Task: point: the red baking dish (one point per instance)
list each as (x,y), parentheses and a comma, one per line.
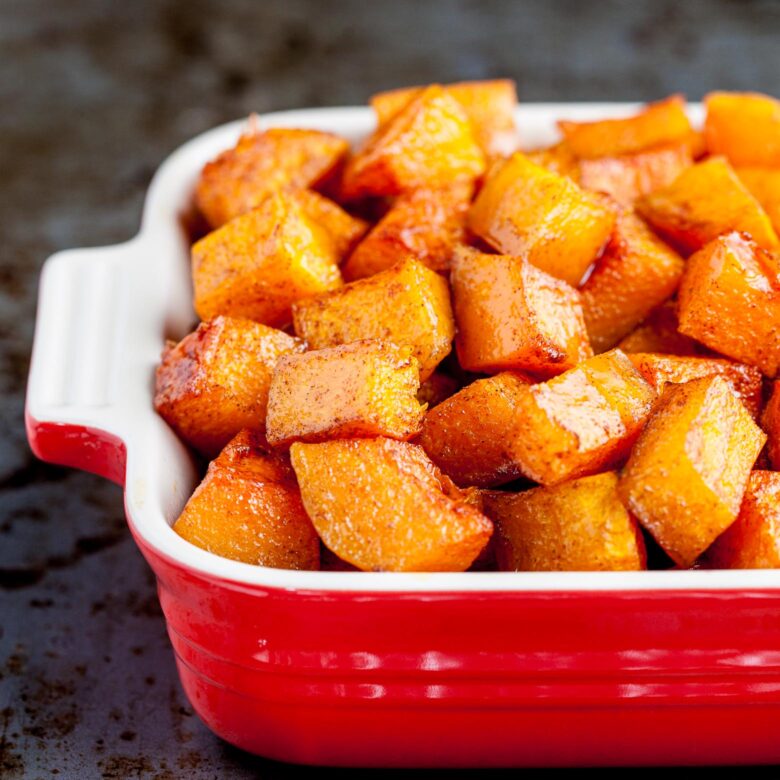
(368,669)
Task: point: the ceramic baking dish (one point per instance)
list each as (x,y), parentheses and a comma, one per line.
(345,668)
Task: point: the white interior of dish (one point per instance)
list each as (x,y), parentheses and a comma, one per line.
(107,314)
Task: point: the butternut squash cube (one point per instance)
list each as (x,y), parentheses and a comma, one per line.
(248,508)
(426,224)
(408,304)
(215,381)
(752,541)
(367,388)
(471,435)
(659,370)
(729,300)
(261,163)
(576,526)
(636,273)
(770,422)
(663,122)
(764,186)
(429,143)
(381,505)
(743,126)
(703,202)
(659,333)
(523,209)
(511,315)
(489,105)
(687,473)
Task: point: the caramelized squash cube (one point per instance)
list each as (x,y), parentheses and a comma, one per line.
(426,224)
(729,300)
(408,304)
(367,388)
(381,505)
(259,264)
(659,370)
(659,333)
(752,541)
(489,105)
(689,468)
(248,508)
(764,186)
(261,163)
(663,122)
(523,209)
(743,126)
(636,273)
(429,144)
(510,315)
(770,422)
(471,435)
(576,526)
(703,202)
(215,381)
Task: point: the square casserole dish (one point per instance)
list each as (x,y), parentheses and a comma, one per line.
(368,669)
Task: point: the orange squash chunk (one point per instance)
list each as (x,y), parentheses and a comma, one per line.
(240,179)
(381,505)
(407,304)
(636,273)
(367,388)
(729,300)
(770,422)
(659,333)
(429,143)
(663,122)
(511,315)
(764,185)
(703,202)
(628,177)
(752,541)
(689,468)
(489,105)
(426,224)
(215,381)
(259,264)
(576,526)
(659,370)
(557,158)
(471,435)
(524,209)
(743,126)
(248,508)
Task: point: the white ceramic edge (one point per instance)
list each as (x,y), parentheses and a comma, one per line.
(103,314)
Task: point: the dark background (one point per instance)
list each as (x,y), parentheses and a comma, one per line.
(93,95)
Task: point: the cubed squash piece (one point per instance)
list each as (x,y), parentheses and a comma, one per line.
(743,126)
(689,468)
(729,300)
(703,202)
(426,224)
(367,388)
(557,158)
(512,316)
(215,381)
(240,179)
(407,304)
(636,273)
(248,508)
(524,209)
(659,333)
(752,541)
(381,505)
(581,422)
(627,177)
(663,122)
(470,436)
(770,422)
(428,143)
(489,105)
(659,370)
(764,185)
(576,526)
(259,264)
